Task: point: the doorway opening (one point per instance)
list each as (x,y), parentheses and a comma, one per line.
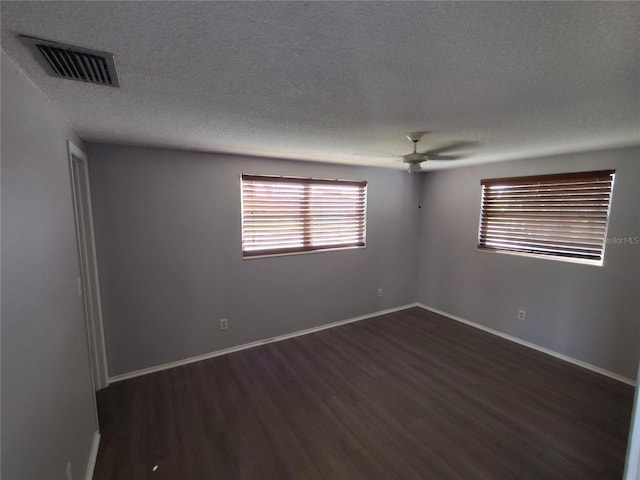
(88,283)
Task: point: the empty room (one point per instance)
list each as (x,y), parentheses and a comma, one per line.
(320,240)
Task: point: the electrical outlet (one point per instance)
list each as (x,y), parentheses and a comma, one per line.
(224,324)
(379,292)
(521,314)
(68,473)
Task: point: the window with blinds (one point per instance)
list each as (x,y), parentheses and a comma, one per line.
(290,215)
(561,216)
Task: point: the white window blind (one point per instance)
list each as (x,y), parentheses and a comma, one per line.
(287,214)
(563,215)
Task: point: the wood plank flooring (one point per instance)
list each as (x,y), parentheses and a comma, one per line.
(409,395)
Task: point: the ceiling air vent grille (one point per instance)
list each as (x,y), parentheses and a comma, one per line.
(73,63)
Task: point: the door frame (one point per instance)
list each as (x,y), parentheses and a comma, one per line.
(632,465)
(89,283)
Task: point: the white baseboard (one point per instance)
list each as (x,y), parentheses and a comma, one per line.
(217,353)
(533,346)
(93,456)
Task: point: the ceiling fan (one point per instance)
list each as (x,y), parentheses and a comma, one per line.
(415,158)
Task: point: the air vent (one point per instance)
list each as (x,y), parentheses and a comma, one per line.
(73,63)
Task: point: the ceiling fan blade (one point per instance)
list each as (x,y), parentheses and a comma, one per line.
(451,146)
(414,157)
(445,157)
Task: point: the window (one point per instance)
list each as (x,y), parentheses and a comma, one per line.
(289,215)
(554,216)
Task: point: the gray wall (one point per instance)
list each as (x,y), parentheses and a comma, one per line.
(168,238)
(47,405)
(587,312)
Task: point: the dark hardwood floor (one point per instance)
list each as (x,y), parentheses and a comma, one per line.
(409,395)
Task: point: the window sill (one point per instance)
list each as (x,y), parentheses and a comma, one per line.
(323,250)
(594,263)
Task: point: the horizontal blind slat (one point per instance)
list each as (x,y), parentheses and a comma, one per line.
(574,193)
(586,216)
(578,243)
(548,187)
(543,233)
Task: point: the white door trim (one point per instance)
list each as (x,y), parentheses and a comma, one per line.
(632,467)
(89,266)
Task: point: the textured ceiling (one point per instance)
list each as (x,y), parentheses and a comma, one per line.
(346,81)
